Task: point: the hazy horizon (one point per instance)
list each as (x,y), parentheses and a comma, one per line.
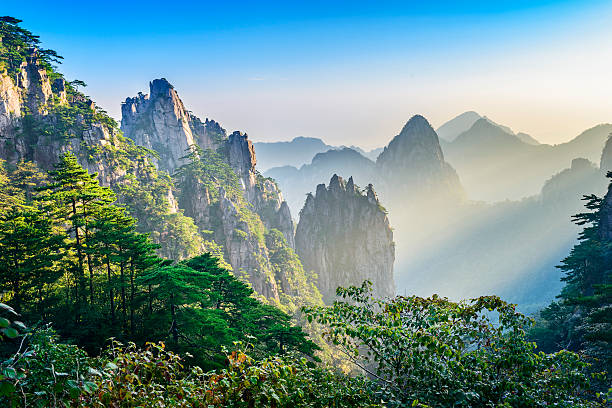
(347,73)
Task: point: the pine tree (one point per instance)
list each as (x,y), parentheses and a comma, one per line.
(74,197)
(582,318)
(28,256)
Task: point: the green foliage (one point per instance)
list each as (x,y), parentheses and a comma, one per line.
(208,168)
(581,320)
(156,377)
(71,256)
(299,289)
(200,307)
(441,353)
(16,44)
(46,373)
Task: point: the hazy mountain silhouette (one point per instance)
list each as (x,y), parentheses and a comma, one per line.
(457,125)
(495,165)
(298,152)
(296,183)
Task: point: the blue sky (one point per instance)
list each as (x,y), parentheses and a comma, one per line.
(348,72)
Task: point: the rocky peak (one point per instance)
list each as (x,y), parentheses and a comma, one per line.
(344,237)
(350,186)
(606,156)
(161,88)
(159,121)
(241,153)
(416,143)
(413,163)
(605,222)
(337,185)
(371,194)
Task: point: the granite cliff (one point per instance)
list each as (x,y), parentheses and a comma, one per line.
(42,116)
(223,205)
(345,238)
(413,165)
(218,185)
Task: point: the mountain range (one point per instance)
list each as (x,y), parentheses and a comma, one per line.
(516,164)
(446,241)
(299,151)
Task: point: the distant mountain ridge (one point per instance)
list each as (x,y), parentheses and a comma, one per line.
(450,130)
(412,163)
(514,169)
(298,152)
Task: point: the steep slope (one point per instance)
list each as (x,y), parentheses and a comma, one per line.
(232,204)
(42,115)
(239,214)
(345,238)
(345,162)
(515,168)
(457,125)
(154,119)
(296,152)
(413,165)
(605,163)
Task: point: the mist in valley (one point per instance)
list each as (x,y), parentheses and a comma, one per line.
(500,227)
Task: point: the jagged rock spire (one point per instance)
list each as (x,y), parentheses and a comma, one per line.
(344,237)
(413,163)
(160,122)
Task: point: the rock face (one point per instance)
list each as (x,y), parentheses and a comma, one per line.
(30,104)
(40,119)
(413,163)
(345,238)
(605,163)
(236,217)
(605,223)
(159,121)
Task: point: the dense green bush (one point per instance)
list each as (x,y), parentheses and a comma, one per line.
(442,354)
(157,377)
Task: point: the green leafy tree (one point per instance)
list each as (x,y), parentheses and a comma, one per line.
(16,44)
(198,306)
(441,353)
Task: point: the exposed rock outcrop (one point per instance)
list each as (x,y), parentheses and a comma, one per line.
(159,121)
(42,116)
(413,164)
(605,222)
(345,238)
(234,216)
(605,163)
(29,120)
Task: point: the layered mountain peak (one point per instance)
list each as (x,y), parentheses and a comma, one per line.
(459,124)
(344,237)
(159,121)
(413,162)
(485,124)
(417,141)
(485,131)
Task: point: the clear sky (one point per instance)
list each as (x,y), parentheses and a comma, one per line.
(347,72)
